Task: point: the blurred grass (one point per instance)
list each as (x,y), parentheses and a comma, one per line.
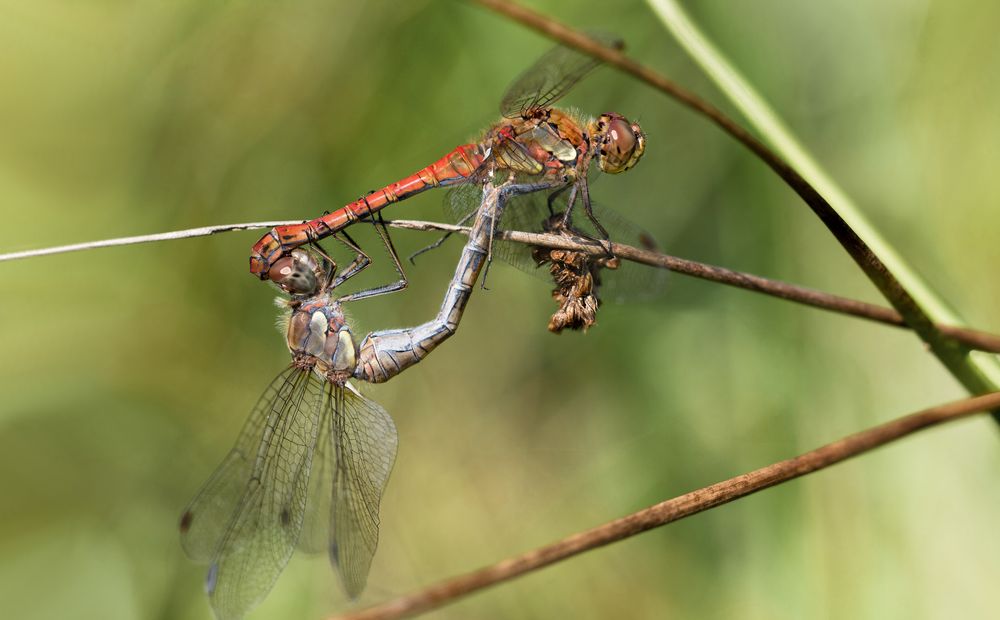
(977,372)
(127,372)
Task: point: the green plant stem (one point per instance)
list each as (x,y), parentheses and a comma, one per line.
(977,373)
(921,299)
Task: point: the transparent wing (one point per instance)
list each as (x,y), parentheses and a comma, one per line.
(551,77)
(462,201)
(511,155)
(364,440)
(316,527)
(629,282)
(248,516)
(528,212)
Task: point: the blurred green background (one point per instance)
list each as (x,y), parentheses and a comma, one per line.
(126,373)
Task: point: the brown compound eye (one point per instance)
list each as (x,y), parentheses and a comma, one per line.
(281,269)
(623,144)
(293,276)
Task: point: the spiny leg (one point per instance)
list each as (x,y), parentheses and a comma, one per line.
(361,260)
(383,233)
(567,219)
(489,251)
(585,198)
(582,188)
(331,271)
(554,195)
(392,287)
(508,191)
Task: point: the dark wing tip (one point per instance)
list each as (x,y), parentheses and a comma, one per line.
(186,520)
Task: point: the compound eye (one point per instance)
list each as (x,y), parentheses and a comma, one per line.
(293,276)
(621,140)
(623,145)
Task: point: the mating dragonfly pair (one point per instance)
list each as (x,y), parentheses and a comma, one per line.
(311,463)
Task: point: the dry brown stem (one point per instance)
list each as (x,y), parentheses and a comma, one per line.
(970,338)
(674,509)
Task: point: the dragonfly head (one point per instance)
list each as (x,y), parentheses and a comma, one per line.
(300,274)
(620,144)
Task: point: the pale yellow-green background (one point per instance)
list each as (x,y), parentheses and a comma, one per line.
(126,373)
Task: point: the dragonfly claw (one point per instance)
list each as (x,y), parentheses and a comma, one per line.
(265,252)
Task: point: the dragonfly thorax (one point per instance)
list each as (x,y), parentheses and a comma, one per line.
(318,337)
(548,140)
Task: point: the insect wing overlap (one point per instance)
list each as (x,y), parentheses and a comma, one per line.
(365,443)
(247,518)
(550,78)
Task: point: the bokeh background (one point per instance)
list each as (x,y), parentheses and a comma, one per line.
(126,373)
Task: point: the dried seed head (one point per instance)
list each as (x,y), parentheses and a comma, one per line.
(577,279)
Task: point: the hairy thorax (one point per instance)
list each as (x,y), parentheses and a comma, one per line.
(318,337)
(552,138)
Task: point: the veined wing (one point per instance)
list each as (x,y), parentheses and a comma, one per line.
(248,516)
(528,212)
(551,77)
(363,439)
(461,202)
(317,529)
(354,455)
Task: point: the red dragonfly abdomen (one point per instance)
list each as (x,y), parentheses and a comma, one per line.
(455,167)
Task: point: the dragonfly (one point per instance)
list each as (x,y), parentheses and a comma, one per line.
(311,463)
(550,148)
(617,280)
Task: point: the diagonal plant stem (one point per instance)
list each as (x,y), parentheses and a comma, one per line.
(977,374)
(756,110)
(971,338)
(675,509)
(764,119)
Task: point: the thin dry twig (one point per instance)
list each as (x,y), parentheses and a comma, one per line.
(971,338)
(166,236)
(675,509)
(951,353)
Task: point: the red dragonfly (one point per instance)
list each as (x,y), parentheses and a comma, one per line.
(550,146)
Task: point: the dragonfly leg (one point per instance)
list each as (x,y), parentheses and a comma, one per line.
(567,221)
(392,287)
(555,195)
(384,354)
(585,199)
(505,193)
(493,217)
(361,260)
